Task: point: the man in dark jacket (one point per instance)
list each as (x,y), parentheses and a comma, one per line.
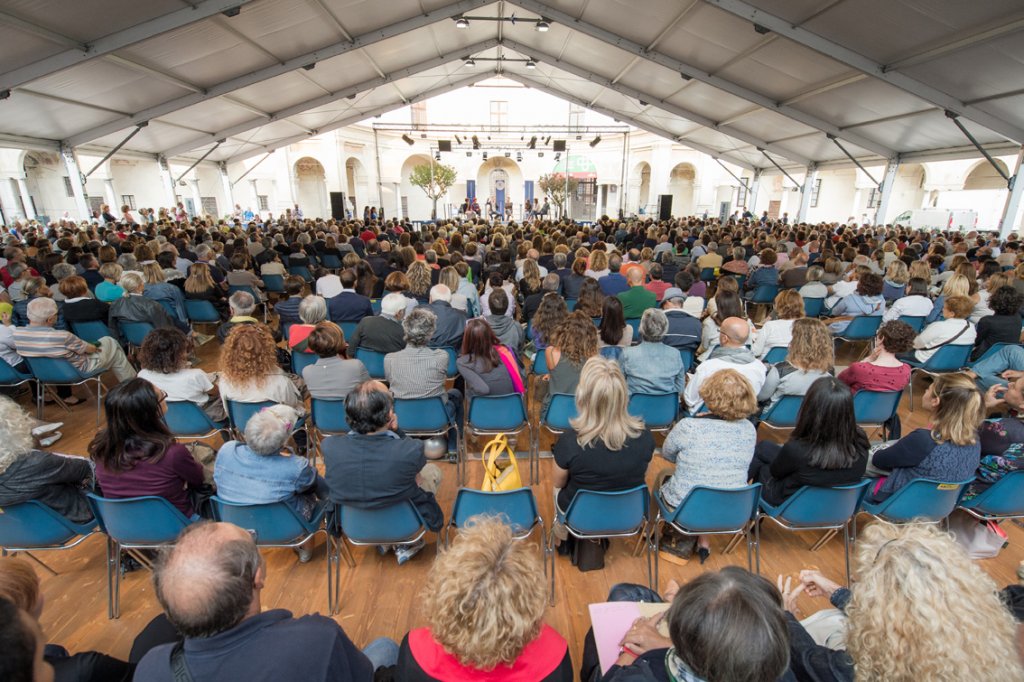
(348,306)
(381,333)
(451,323)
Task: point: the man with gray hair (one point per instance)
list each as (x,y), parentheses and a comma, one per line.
(60,272)
(242,305)
(653,367)
(41,340)
(451,323)
(209,584)
(382,333)
(421,372)
(134,307)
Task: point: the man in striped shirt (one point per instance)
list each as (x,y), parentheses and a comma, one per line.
(40,340)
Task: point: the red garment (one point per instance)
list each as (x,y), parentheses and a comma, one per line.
(539,660)
(658,288)
(863,376)
(8,280)
(367,235)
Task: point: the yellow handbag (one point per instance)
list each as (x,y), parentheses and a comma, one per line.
(500,477)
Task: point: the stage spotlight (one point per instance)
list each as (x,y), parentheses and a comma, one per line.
(408,140)
(485,156)
(596,141)
(469,153)
(540,155)
(543,26)
(462,22)
(469,62)
(530,64)
(508,155)
(533,143)
(476,142)
(457,140)
(519,157)
(547,140)
(437,156)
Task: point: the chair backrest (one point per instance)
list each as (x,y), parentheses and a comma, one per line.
(375,303)
(634,322)
(273,283)
(136,332)
(707,274)
(783,414)
(373,361)
(595,512)
(813,307)
(686,355)
(421,414)
(1005,497)
(10,376)
(34,525)
(497,412)
(302,271)
(54,370)
(396,523)
(916,322)
(91,331)
(540,363)
(329,415)
(453,355)
(863,327)
(330,261)
(349,328)
(570,304)
(812,506)
(875,407)
(561,409)
(184,418)
(240,413)
(710,510)
(765,293)
(776,354)
(658,410)
(517,508)
(148,520)
(276,523)
(949,358)
(922,498)
(302,360)
(201,311)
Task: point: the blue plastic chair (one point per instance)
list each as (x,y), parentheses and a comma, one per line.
(764,294)
(517,508)
(814,307)
(33,527)
(301,271)
(148,522)
(686,355)
(135,332)
(491,415)
(658,410)
(349,328)
(634,322)
(949,358)
(570,304)
(398,524)
(330,261)
(710,511)
(916,322)
(301,360)
(373,361)
(424,417)
(861,328)
(60,372)
(1004,499)
(273,284)
(776,354)
(453,369)
(91,331)
(188,421)
(326,418)
(783,414)
(10,377)
(872,409)
(814,508)
(239,414)
(201,312)
(375,303)
(923,499)
(561,408)
(594,515)
(707,275)
(275,525)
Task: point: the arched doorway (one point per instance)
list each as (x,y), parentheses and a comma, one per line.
(680,186)
(640,188)
(500,180)
(417,204)
(311,187)
(356,184)
(984,176)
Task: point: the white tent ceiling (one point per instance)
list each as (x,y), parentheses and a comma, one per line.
(876,75)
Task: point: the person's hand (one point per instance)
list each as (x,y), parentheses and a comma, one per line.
(817,585)
(789,593)
(1012,374)
(994,396)
(671,590)
(643,636)
(873,355)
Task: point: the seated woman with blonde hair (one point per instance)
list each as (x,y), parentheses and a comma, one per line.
(485,599)
(810,358)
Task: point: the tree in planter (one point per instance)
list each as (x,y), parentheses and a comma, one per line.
(435,179)
(554,187)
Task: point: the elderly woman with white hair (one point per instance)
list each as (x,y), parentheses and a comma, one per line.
(653,366)
(27,473)
(262,470)
(312,311)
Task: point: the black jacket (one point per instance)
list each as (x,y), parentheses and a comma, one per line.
(57,481)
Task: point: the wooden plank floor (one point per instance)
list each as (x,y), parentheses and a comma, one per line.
(379,598)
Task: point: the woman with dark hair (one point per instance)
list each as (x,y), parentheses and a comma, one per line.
(164,359)
(882,370)
(572,282)
(487,367)
(136,455)
(1003,326)
(765,273)
(613,334)
(867,300)
(549,315)
(591,298)
(826,448)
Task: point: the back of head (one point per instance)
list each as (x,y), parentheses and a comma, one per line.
(736,330)
(368,407)
(41,309)
(19,584)
(486,595)
(729,626)
(206,581)
(961,409)
(827,426)
(242,303)
(439,292)
(268,430)
(419,326)
(602,399)
(19,644)
(393,304)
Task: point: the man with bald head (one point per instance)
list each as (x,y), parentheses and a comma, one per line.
(636,299)
(731,353)
(209,585)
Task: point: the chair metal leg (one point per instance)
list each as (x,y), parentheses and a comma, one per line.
(99,400)
(733,541)
(39,400)
(846,550)
(330,581)
(39,561)
(829,534)
(746,536)
(655,542)
(910,387)
(650,570)
(554,558)
(757,545)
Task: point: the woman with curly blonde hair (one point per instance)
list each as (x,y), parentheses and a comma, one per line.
(485,599)
(921,610)
(419,281)
(810,358)
(249,370)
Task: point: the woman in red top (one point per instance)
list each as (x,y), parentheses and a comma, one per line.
(485,599)
(882,370)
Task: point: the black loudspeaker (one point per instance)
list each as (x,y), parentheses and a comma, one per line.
(664,206)
(558,146)
(444,145)
(338,205)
